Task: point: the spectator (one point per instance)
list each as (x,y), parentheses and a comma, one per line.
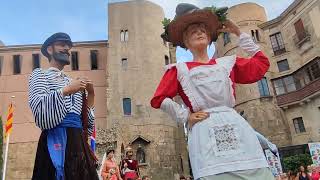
(314,173)
(302,174)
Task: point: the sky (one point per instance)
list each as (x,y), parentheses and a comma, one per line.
(32,21)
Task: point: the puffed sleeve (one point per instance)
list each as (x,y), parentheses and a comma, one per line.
(250,70)
(48,107)
(167,89)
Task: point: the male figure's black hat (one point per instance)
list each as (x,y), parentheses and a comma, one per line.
(60,36)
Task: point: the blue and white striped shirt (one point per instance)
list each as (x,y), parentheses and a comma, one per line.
(47,103)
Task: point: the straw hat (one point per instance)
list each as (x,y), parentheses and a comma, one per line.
(187,14)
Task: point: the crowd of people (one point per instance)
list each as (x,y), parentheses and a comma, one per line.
(312,172)
(126,170)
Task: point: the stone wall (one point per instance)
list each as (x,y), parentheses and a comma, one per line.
(21,158)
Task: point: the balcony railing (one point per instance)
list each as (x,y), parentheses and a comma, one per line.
(301,37)
(279,51)
(300,94)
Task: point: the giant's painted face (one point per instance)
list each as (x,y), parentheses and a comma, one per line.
(59,51)
(196,36)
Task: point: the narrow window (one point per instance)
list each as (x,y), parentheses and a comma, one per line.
(16,64)
(263,87)
(74,60)
(283,65)
(126,102)
(124,63)
(94,59)
(299,125)
(36,61)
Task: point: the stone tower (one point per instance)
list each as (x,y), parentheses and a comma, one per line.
(256,99)
(136,57)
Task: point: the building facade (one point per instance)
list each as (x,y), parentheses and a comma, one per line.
(16,63)
(125,70)
(294,52)
(284,105)
(136,59)
(255,101)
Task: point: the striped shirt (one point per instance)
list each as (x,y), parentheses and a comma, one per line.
(47,103)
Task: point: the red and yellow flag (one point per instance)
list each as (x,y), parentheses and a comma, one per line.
(9,121)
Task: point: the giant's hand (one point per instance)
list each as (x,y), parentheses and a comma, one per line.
(196,117)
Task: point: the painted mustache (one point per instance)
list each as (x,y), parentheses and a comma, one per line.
(65,52)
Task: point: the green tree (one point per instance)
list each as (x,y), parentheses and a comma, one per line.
(294,162)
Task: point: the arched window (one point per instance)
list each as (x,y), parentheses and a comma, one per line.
(126,35)
(122,36)
(253,36)
(124,63)
(257,35)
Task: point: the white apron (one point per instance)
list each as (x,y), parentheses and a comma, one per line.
(224,142)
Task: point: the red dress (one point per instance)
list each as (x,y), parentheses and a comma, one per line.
(315,176)
(132,170)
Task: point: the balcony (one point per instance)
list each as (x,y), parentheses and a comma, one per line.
(279,51)
(301,37)
(300,94)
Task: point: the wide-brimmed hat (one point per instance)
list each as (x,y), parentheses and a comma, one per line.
(60,36)
(187,14)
